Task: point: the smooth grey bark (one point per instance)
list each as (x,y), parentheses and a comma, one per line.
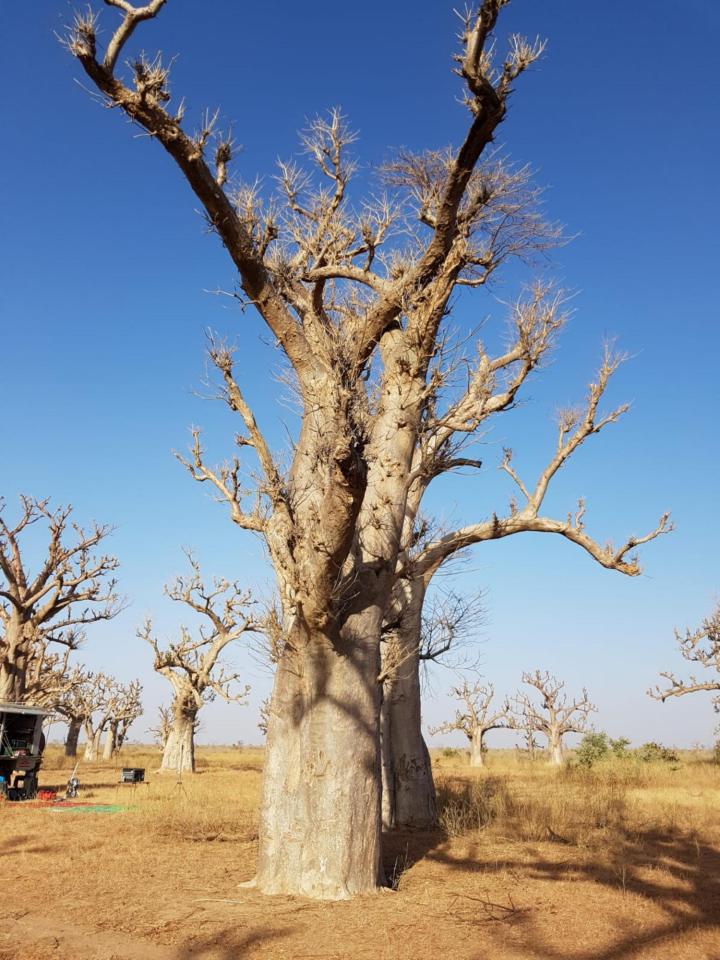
(319,832)
(92,744)
(477,757)
(179,750)
(409,799)
(71,741)
(556,750)
(388,780)
(110,744)
(14,662)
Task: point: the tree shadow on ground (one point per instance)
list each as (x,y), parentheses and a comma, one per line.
(678,875)
(229,945)
(402,849)
(24,844)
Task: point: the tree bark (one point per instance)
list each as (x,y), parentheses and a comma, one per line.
(92,744)
(410,801)
(13,666)
(179,751)
(110,742)
(320,811)
(71,741)
(477,758)
(388,780)
(556,751)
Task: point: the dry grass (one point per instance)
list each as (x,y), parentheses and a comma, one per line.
(619,862)
(613,799)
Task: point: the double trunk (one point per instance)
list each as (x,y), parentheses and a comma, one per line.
(320,811)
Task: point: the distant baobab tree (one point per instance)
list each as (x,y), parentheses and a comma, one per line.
(554,717)
(94,698)
(356,296)
(193,663)
(123,709)
(163,726)
(475,718)
(72,588)
(700,647)
(75,703)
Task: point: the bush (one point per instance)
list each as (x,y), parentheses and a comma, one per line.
(578,809)
(599,746)
(466,806)
(655,753)
(452,753)
(716,752)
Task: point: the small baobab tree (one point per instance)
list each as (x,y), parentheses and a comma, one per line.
(73,704)
(701,648)
(193,664)
(475,718)
(554,717)
(124,706)
(355,294)
(162,728)
(72,588)
(93,699)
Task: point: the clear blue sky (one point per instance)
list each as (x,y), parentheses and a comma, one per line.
(105,263)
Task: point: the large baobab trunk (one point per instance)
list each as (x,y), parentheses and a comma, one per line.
(13,663)
(556,750)
(12,687)
(71,741)
(110,744)
(477,755)
(92,744)
(320,812)
(179,751)
(409,797)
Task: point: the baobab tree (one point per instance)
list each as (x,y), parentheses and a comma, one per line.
(72,588)
(161,731)
(123,709)
(49,675)
(554,717)
(94,699)
(193,664)
(74,704)
(475,718)
(355,300)
(700,647)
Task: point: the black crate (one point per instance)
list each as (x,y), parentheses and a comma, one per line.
(132,775)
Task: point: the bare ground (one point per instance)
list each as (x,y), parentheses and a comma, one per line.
(129,886)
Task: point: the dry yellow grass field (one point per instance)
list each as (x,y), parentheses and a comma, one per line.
(620,861)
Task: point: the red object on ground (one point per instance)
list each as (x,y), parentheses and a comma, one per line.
(47,794)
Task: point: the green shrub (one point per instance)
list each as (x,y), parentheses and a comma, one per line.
(655,753)
(596,746)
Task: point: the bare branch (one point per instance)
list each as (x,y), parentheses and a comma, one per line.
(701,647)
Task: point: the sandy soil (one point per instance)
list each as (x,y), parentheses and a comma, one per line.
(104,887)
